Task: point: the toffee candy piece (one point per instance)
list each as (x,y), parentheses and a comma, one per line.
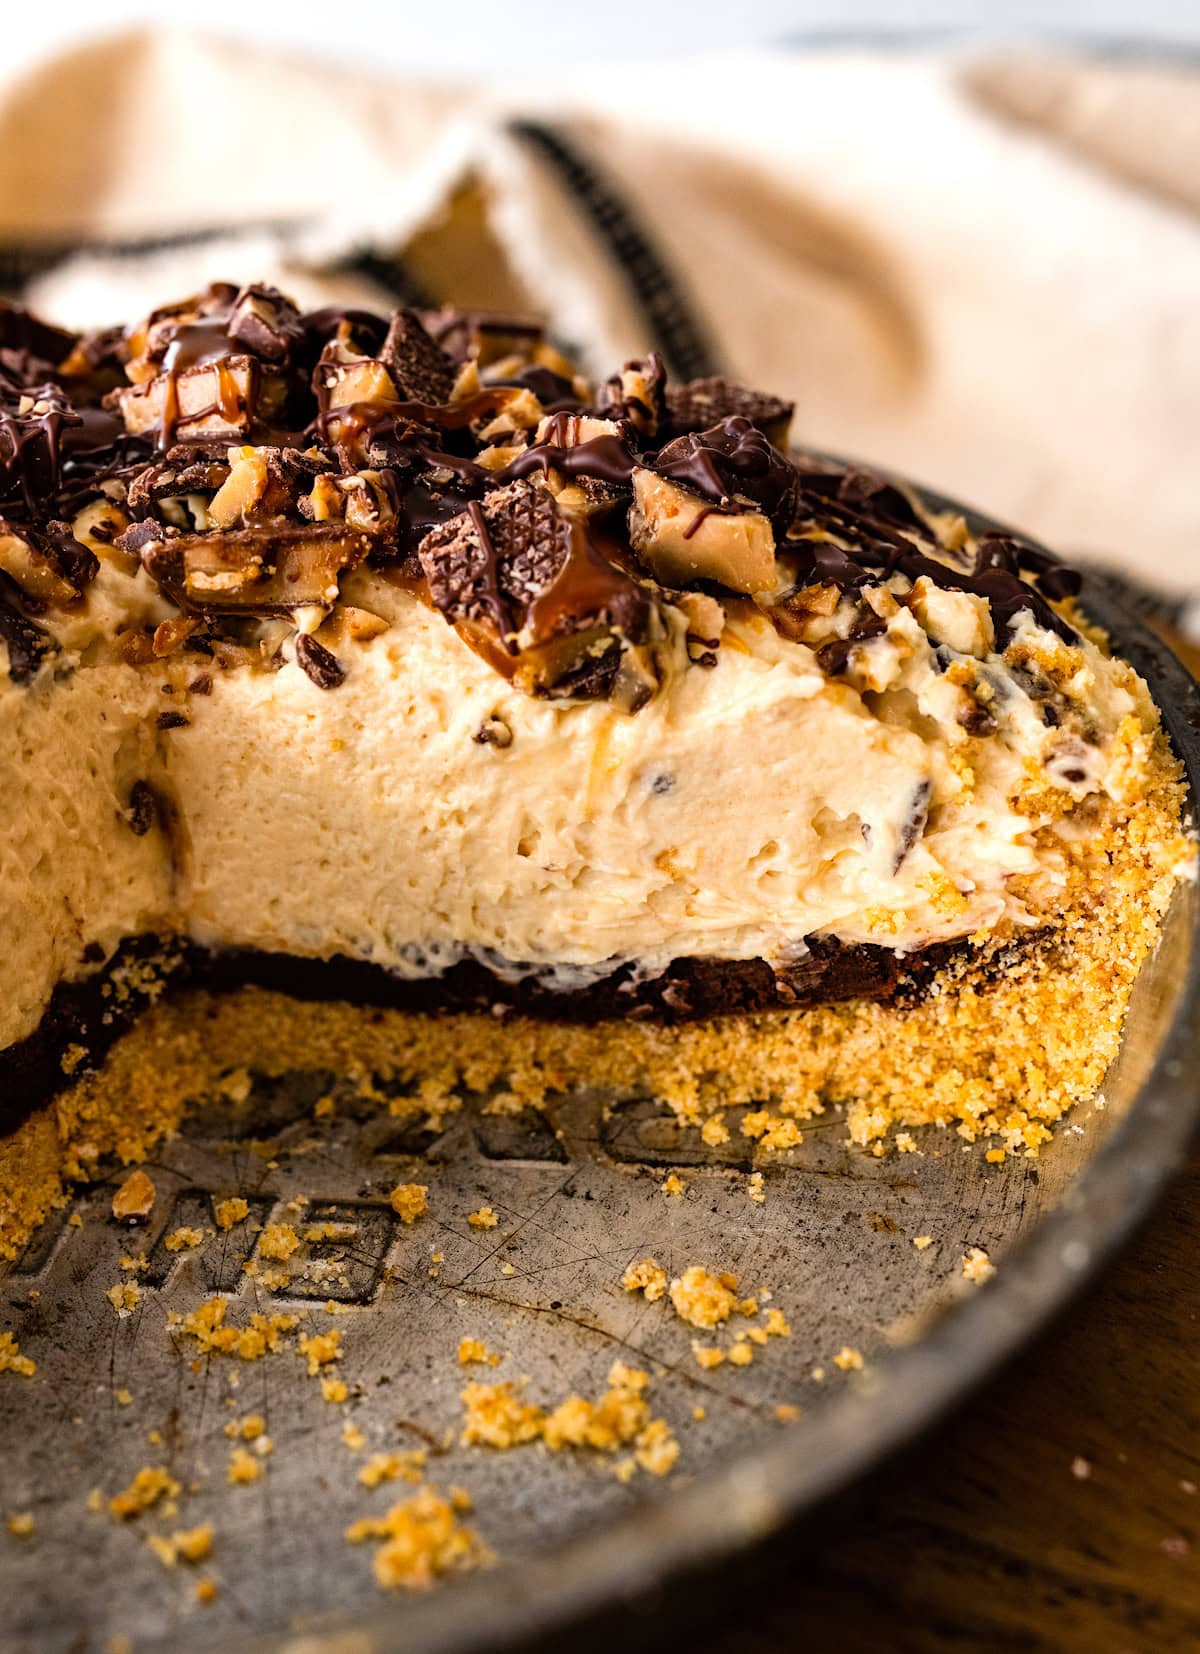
(48,564)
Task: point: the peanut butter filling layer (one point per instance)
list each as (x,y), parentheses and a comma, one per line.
(1007,1043)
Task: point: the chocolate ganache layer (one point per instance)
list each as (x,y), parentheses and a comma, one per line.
(84,1018)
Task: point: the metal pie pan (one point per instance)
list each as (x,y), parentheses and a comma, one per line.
(833,1240)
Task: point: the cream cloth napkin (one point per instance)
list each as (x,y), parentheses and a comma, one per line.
(984,271)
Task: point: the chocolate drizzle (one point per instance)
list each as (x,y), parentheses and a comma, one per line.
(393,439)
(865,510)
(733,463)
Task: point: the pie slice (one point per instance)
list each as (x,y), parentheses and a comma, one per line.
(376,694)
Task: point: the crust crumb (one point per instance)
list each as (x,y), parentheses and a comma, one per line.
(977,1266)
(152,1483)
(409,1201)
(11,1359)
(704,1299)
(474,1352)
(232,1211)
(422,1539)
(134,1200)
(390,1467)
(189,1545)
(647,1276)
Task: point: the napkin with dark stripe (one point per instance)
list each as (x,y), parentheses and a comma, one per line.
(981,270)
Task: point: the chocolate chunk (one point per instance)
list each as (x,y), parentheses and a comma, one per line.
(140,535)
(913,824)
(143,808)
(701,403)
(362,330)
(316,662)
(552,390)
(872,493)
(265,323)
(22,334)
(34,428)
(26,643)
(734,461)
(202,684)
(481,336)
(420,369)
(491,561)
(1059,582)
(834,658)
(493,732)
(172,720)
(183,472)
(513,566)
(976,719)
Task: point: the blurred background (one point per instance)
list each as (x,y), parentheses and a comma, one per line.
(474,37)
(965,238)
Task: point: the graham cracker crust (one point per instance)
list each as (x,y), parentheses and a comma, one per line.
(1001,1045)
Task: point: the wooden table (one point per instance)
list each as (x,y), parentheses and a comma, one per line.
(1060,1510)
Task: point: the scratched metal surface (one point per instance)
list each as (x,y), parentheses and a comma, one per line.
(833,1241)
(577,1199)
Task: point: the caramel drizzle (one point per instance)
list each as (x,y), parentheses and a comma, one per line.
(199,344)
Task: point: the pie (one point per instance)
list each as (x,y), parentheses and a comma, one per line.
(378,695)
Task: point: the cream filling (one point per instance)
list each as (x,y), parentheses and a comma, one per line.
(745,808)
